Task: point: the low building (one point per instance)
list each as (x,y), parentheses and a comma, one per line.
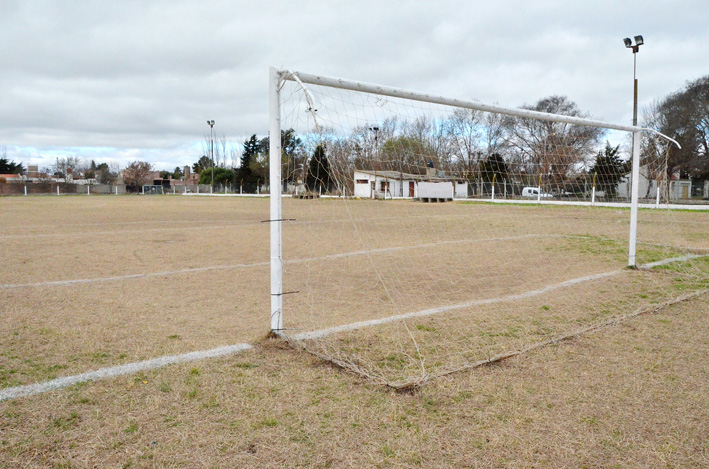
(678,188)
(11,177)
(370,184)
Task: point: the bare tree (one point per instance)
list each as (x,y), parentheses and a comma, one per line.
(137,174)
(71,165)
(684,116)
(554,150)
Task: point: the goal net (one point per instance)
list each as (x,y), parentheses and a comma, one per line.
(151,189)
(413,235)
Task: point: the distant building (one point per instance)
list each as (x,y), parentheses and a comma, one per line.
(678,188)
(11,177)
(370,184)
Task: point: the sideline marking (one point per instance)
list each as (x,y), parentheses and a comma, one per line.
(129,368)
(53,283)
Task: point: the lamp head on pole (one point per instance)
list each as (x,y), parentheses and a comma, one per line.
(210,123)
(638,42)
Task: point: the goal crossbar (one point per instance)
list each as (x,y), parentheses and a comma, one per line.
(467,104)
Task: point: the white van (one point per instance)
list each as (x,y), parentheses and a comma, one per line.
(533,193)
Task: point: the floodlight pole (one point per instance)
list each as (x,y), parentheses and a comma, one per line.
(635,178)
(635,85)
(211,150)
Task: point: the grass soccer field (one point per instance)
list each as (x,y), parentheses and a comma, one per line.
(397,291)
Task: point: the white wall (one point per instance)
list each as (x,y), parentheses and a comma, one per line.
(362,190)
(461,190)
(435,190)
(394,189)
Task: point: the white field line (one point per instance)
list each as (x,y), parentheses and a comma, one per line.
(428,312)
(215,194)
(58,283)
(501,201)
(589,204)
(219,224)
(130,368)
(164,273)
(122,232)
(517,296)
(118,223)
(671,260)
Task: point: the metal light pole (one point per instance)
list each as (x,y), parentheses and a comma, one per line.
(211,146)
(635,47)
(373,193)
(635,181)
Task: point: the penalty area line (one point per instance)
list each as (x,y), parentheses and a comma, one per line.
(517,296)
(111,372)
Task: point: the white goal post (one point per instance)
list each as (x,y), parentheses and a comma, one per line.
(279,77)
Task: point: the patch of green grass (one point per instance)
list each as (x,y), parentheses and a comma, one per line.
(596,246)
(64,423)
(425,328)
(132,428)
(246,365)
(590,420)
(267,423)
(388,452)
(395,361)
(511,331)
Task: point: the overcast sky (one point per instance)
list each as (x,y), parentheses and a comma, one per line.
(119,81)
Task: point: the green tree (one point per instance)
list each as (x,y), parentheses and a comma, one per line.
(203,163)
(106,176)
(609,168)
(493,167)
(292,154)
(10,167)
(177,173)
(221,176)
(165,174)
(244,175)
(318,170)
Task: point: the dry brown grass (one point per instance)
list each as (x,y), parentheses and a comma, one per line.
(634,394)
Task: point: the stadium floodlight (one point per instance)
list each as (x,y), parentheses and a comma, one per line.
(628,42)
(639,40)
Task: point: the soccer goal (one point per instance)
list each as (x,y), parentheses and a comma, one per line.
(447,233)
(150,189)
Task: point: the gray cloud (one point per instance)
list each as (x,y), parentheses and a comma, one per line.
(138,79)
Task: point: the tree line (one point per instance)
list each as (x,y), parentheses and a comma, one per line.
(683,116)
(467,144)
